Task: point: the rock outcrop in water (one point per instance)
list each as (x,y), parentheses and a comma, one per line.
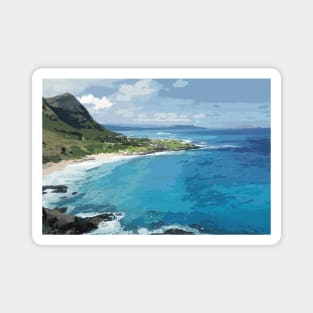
(55,188)
(57,222)
(174,231)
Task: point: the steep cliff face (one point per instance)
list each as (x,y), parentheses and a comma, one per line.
(69,131)
(68,110)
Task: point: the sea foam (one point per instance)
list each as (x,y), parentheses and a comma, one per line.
(161,230)
(218,147)
(113,227)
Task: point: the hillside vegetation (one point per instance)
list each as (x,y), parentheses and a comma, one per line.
(69,132)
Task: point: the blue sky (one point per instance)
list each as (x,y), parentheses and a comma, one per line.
(213,103)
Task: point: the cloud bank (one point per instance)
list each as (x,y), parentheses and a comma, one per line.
(98,103)
(166,101)
(163,118)
(142,87)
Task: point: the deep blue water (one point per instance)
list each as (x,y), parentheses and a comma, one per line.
(222,188)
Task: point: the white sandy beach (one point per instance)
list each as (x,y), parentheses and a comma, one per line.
(52,167)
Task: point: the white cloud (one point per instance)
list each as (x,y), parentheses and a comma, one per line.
(199,116)
(180,83)
(99,103)
(163,118)
(53,87)
(142,87)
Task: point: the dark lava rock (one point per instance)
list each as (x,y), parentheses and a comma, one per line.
(55,188)
(174,231)
(64,222)
(106,217)
(59,191)
(60,210)
(59,223)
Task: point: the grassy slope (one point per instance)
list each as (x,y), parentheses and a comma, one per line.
(69,132)
(62,141)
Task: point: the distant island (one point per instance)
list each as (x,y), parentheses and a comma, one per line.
(69,132)
(114,127)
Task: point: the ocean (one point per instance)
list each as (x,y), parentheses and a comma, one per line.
(221,188)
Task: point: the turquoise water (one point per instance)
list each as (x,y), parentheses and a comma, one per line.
(222,188)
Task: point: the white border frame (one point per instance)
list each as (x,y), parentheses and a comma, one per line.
(174,73)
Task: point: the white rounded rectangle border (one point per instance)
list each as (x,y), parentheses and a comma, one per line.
(157,73)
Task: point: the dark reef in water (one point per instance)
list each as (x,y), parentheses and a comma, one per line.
(174,231)
(57,222)
(55,188)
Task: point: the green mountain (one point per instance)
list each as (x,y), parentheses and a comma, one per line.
(69,131)
(70,111)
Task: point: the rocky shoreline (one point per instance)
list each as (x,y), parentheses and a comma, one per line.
(57,222)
